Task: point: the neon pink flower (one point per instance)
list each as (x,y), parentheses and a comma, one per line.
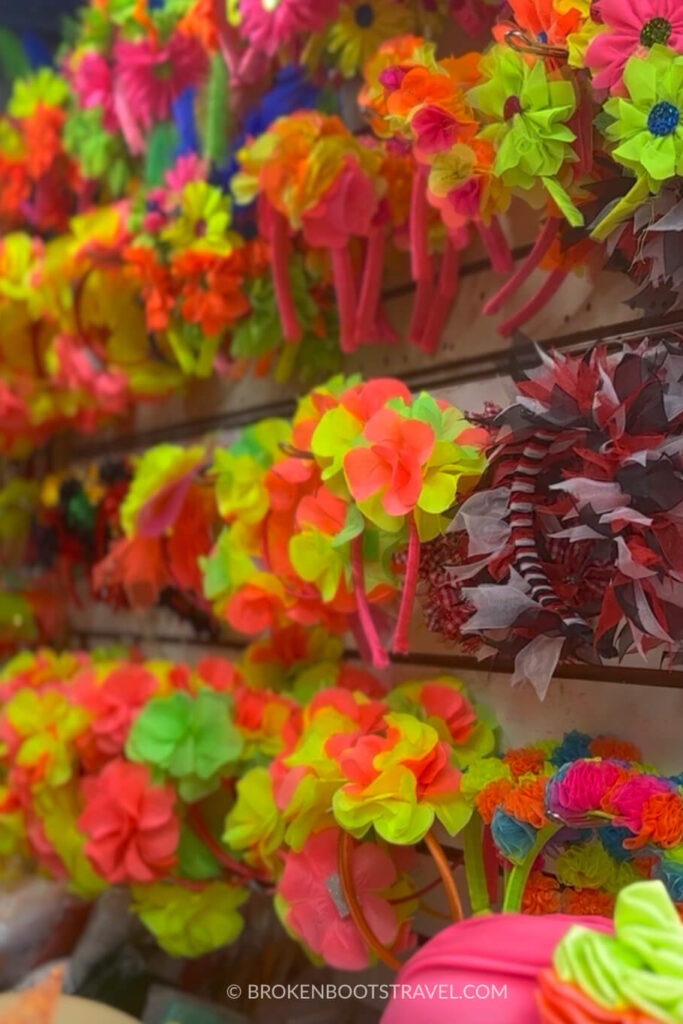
(132,830)
(393,462)
(79,369)
(632,26)
(187,168)
(310,888)
(94,87)
(268,26)
(580,788)
(151,76)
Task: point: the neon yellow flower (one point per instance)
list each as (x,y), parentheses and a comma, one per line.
(362,26)
(254,824)
(188,923)
(47,725)
(58,810)
(203,221)
(240,490)
(316,559)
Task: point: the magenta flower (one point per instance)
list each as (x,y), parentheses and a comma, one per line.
(632,26)
(93,84)
(269,25)
(151,76)
(579,788)
(310,898)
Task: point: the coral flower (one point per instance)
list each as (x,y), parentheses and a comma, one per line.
(632,26)
(151,76)
(392,464)
(114,704)
(132,830)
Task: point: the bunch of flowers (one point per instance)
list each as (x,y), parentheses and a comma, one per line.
(186,784)
(381,770)
(580,820)
(315,510)
(570,540)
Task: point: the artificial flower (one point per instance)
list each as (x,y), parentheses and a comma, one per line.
(254,824)
(361,26)
(527,113)
(310,902)
(270,24)
(191,739)
(187,922)
(130,824)
(647,125)
(630,27)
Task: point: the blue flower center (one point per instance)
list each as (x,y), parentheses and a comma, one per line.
(511,107)
(364,15)
(656,30)
(542,37)
(663,119)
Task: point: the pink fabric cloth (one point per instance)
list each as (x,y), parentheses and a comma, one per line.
(481,971)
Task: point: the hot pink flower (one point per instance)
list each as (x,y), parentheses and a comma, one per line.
(310,888)
(151,76)
(632,26)
(93,84)
(268,26)
(580,788)
(132,830)
(188,167)
(435,130)
(79,369)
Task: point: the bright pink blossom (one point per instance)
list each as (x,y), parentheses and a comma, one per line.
(93,84)
(114,704)
(581,787)
(632,27)
(268,26)
(151,76)
(347,208)
(628,798)
(130,824)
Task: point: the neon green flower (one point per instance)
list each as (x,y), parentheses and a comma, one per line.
(528,113)
(192,739)
(648,122)
(316,559)
(187,923)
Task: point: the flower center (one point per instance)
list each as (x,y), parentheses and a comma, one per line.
(200,228)
(163,71)
(663,119)
(542,37)
(511,107)
(364,15)
(656,30)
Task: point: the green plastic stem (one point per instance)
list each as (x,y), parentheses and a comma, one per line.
(519,876)
(474,866)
